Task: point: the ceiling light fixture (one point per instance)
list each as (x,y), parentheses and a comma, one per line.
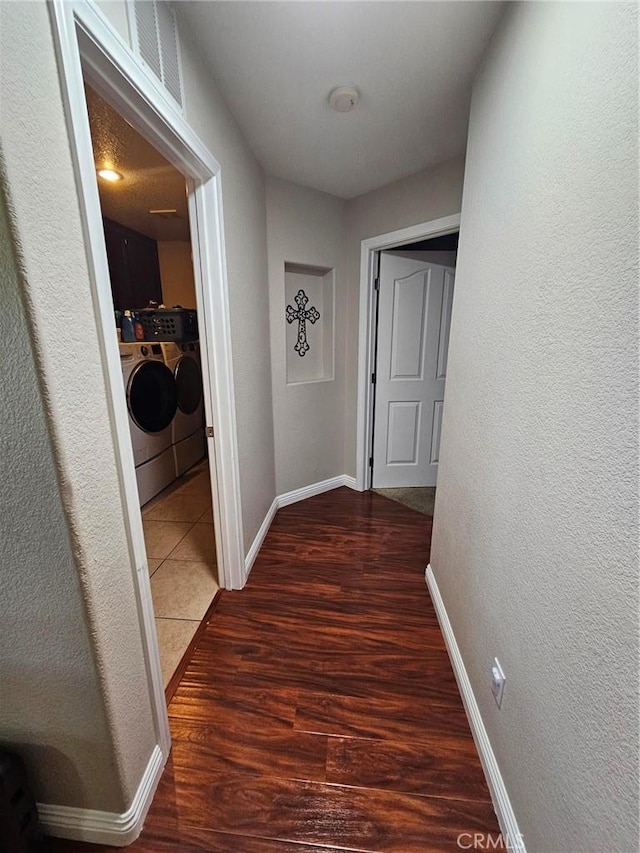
(109,175)
(343,99)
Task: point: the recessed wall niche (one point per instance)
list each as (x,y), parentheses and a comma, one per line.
(309,321)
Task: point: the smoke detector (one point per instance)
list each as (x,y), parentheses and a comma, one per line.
(343,99)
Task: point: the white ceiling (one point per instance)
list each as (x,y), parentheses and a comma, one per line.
(150,182)
(413,62)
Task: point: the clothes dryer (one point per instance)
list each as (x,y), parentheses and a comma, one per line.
(152,403)
(183,360)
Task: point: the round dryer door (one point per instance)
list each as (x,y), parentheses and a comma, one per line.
(188,384)
(151,396)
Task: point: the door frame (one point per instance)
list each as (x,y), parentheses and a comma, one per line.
(87,47)
(367,331)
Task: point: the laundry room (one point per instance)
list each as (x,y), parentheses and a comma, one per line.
(144,205)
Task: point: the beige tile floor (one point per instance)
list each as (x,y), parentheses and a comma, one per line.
(181,554)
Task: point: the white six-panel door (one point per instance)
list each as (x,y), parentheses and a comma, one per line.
(414,317)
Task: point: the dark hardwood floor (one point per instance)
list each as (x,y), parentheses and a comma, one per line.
(319,711)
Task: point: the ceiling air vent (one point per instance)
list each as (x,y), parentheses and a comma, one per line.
(156,39)
(168,32)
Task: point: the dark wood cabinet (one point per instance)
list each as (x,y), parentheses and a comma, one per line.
(134,268)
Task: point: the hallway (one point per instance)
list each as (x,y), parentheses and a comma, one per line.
(320,707)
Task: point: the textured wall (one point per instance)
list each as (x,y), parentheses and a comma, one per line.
(419,198)
(45,655)
(80,708)
(534,546)
(305,226)
(246,247)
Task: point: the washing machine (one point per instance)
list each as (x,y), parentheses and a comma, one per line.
(152,403)
(189,446)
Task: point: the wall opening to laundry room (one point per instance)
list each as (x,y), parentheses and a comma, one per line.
(144,206)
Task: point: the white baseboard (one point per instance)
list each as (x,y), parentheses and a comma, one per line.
(499,796)
(257,542)
(312,490)
(291,498)
(350,482)
(98,827)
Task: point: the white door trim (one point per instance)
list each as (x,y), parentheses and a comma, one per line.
(366,332)
(86,43)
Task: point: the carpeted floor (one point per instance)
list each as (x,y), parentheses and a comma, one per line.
(421,499)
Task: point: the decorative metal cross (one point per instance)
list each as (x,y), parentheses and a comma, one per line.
(302,315)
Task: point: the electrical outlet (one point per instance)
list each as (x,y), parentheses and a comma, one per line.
(497,682)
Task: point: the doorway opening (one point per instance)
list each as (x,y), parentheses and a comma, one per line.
(90,52)
(406,292)
(145,216)
(414,293)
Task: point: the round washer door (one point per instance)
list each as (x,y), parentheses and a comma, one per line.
(188,384)
(151,396)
